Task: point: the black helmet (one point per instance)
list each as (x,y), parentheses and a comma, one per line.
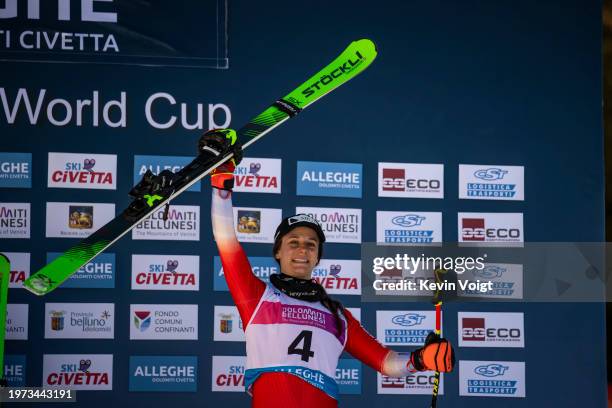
(297,220)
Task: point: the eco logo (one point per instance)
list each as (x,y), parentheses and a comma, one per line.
(480,329)
(491,227)
(414,180)
(421,383)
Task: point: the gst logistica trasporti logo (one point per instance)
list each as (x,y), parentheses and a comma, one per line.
(402,335)
(490,185)
(408,227)
(492,378)
(480,182)
(501,284)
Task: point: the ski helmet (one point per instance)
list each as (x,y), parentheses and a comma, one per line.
(297,220)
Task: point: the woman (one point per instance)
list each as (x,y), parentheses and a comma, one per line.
(295,333)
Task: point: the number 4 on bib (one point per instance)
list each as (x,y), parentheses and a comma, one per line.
(306,337)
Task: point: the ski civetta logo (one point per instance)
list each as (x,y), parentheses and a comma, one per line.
(142,320)
(492,173)
(491,370)
(408,319)
(408,220)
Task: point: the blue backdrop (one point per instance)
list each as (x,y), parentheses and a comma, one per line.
(507,83)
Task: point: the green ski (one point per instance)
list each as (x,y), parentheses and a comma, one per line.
(153,192)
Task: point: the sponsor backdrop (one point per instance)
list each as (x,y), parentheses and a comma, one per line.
(443,139)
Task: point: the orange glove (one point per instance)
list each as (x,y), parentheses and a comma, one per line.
(436,355)
(223,176)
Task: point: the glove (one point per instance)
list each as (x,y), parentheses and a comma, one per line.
(223,176)
(436,355)
(221,142)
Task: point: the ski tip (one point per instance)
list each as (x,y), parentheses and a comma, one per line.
(367,44)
